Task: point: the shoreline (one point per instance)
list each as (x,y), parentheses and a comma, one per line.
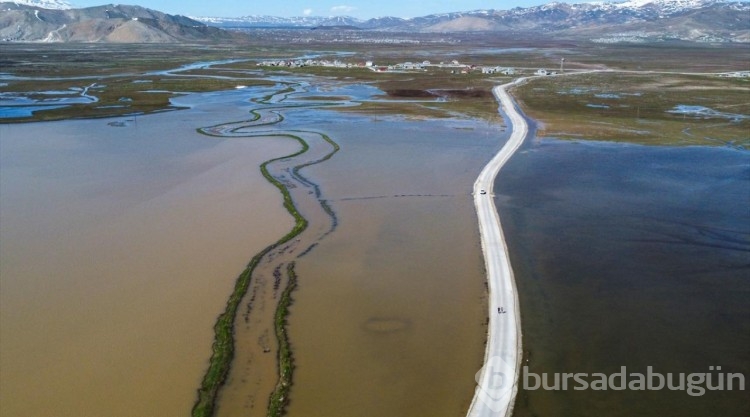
(503,352)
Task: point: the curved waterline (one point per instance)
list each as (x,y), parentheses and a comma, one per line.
(223,348)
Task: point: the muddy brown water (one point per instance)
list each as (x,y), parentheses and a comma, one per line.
(254,369)
(389,315)
(403,239)
(119,247)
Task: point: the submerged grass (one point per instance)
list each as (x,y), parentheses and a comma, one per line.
(118,96)
(280,396)
(223,346)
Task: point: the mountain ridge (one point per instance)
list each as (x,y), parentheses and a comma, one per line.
(628,21)
(44,4)
(693,20)
(28,22)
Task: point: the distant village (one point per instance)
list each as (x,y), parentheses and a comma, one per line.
(454,66)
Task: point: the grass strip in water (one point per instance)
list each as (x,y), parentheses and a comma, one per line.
(280,396)
(223,346)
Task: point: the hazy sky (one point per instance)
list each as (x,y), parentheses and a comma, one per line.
(363,9)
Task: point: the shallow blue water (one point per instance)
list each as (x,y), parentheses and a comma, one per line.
(7,112)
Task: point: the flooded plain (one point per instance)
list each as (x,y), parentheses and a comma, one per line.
(631,256)
(402,328)
(393,296)
(122,239)
(120,243)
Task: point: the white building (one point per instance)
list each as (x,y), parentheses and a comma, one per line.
(498,70)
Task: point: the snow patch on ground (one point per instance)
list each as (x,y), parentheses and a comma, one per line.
(45,4)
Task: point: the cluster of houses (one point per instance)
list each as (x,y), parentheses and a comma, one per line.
(736,74)
(498,70)
(454,66)
(543,72)
(299,63)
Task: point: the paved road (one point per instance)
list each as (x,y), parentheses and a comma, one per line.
(498,380)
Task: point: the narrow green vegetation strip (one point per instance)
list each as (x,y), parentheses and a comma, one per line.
(223,346)
(267,99)
(280,396)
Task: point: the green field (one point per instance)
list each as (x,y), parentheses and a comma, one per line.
(641,108)
(634,99)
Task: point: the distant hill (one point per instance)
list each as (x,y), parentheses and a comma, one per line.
(45,4)
(28,22)
(634,20)
(629,21)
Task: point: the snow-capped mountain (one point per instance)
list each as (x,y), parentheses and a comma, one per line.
(274,21)
(707,20)
(108,23)
(45,4)
(664,5)
(631,20)
(644,9)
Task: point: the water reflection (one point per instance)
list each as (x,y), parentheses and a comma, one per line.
(630,256)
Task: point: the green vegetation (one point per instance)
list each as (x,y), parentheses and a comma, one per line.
(223,346)
(119,95)
(280,396)
(127,71)
(123,75)
(330,141)
(639,108)
(267,99)
(300,223)
(632,107)
(436,96)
